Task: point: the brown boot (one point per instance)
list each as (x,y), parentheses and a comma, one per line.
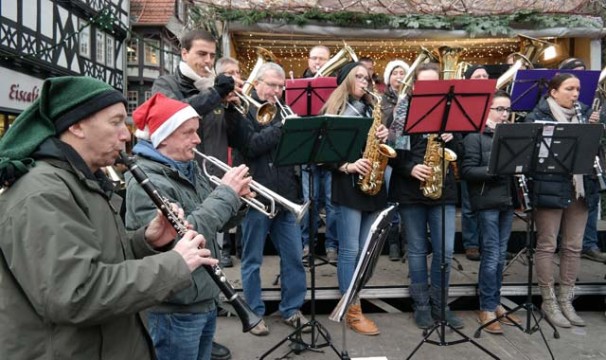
(360,323)
(487,316)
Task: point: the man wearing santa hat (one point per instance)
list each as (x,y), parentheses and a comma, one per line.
(182,328)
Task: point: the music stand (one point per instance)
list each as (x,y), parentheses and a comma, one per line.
(315,140)
(540,148)
(453,106)
(530,85)
(371,250)
(306,97)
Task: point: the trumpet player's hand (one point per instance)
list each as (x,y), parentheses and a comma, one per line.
(361,166)
(160,232)
(382,133)
(238,179)
(446,137)
(191,248)
(421,172)
(594,118)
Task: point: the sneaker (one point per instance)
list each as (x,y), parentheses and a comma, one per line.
(260,329)
(486,317)
(510,319)
(472,254)
(594,255)
(332,256)
(454,321)
(422,318)
(297,320)
(305,255)
(225,261)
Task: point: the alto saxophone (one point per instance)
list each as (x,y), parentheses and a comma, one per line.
(435,155)
(376,152)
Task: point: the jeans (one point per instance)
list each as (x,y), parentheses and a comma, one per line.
(322,190)
(470,229)
(590,238)
(182,336)
(285,234)
(496,229)
(415,219)
(353,227)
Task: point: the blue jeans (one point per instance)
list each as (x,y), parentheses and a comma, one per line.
(285,234)
(182,336)
(496,229)
(415,219)
(353,227)
(322,190)
(470,230)
(590,238)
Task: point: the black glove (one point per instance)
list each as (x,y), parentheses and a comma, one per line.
(224,85)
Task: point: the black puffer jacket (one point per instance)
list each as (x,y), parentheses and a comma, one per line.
(256,146)
(485,191)
(553,190)
(388,103)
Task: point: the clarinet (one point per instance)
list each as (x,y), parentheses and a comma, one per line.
(247,316)
(596,162)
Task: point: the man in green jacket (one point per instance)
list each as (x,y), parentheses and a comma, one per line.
(168,133)
(70,284)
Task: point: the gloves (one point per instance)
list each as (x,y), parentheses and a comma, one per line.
(224,85)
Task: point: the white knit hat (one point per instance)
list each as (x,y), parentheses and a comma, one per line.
(390,68)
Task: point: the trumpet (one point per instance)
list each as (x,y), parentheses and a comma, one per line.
(270,211)
(285,110)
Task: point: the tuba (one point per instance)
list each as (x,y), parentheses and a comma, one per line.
(344,56)
(437,158)
(265,112)
(449,62)
(423,57)
(376,152)
(530,50)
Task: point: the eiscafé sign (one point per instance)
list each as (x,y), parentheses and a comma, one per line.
(18,90)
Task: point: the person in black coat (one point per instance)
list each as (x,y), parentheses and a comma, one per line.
(491,198)
(560,206)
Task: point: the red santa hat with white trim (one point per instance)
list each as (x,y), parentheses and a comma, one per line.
(159,117)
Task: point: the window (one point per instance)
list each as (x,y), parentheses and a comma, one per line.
(132,51)
(152,52)
(109,51)
(84,39)
(148,94)
(100,46)
(133,101)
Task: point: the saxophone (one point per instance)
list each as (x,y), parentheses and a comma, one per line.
(432,187)
(376,152)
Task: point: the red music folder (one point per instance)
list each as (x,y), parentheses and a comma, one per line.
(307,96)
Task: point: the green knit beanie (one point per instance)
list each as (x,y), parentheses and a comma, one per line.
(63,102)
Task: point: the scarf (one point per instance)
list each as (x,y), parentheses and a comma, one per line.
(201,83)
(563,115)
(145,149)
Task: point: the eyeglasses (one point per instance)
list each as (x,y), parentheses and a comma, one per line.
(501,109)
(317,58)
(273,86)
(361,77)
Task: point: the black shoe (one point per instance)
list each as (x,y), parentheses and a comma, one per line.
(220,352)
(225,261)
(394,252)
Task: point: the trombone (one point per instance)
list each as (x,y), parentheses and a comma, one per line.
(270,211)
(285,110)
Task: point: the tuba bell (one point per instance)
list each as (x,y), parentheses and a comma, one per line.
(449,62)
(530,51)
(344,56)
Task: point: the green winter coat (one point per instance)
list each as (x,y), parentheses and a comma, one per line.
(208,211)
(70,287)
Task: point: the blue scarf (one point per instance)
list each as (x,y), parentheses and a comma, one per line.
(145,149)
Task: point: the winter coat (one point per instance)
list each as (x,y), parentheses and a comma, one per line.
(485,191)
(388,103)
(70,287)
(208,211)
(554,190)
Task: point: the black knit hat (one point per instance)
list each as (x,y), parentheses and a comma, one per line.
(469,72)
(63,102)
(345,70)
(572,63)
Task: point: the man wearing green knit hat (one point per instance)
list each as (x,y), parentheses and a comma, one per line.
(70,286)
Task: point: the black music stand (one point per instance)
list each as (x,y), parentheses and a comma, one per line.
(310,141)
(541,148)
(448,106)
(364,268)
